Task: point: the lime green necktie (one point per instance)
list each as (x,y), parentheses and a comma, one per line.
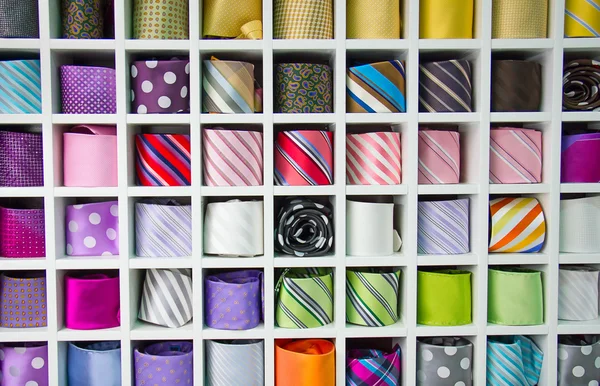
(444,297)
(515,297)
(372,296)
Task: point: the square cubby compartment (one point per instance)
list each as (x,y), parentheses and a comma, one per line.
(451,358)
(385,357)
(580,143)
(154,359)
(23,223)
(82,19)
(21,151)
(23,302)
(579,82)
(82,362)
(518,357)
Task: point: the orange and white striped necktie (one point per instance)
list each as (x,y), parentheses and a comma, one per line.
(517,225)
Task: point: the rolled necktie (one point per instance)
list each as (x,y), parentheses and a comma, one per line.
(21,159)
(376,88)
(515,156)
(167,297)
(92,229)
(519,19)
(228,87)
(439,156)
(373,159)
(303,88)
(579,225)
(443,227)
(517,225)
(232,157)
(515,296)
(19,19)
(372,296)
(94,364)
(304,362)
(21,83)
(304,157)
(234,228)
(171,363)
(582,18)
(304,298)
(367,367)
(247,356)
(444,361)
(23,301)
(22,233)
(581,79)
(24,364)
(92,301)
(379,19)
(160,19)
(513,360)
(226,18)
(160,86)
(315,222)
(446,19)
(83,19)
(233,300)
(303,19)
(370,229)
(516,86)
(88,90)
(163,160)
(163,228)
(445,87)
(90,156)
(577,293)
(577,360)
(580,158)
(444,297)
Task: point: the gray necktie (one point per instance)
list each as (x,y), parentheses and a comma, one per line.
(578,293)
(578,360)
(167,297)
(19,19)
(237,362)
(444,361)
(163,228)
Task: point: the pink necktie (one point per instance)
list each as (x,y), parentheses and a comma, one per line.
(373,159)
(22,233)
(92,302)
(515,156)
(439,157)
(90,156)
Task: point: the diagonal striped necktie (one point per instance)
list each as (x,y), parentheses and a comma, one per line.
(236,362)
(517,225)
(163,228)
(20,87)
(515,156)
(228,87)
(577,293)
(372,296)
(163,160)
(439,157)
(445,87)
(373,159)
(513,361)
(582,18)
(376,88)
(443,227)
(373,367)
(167,297)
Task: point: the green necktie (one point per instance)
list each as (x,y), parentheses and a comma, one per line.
(372,296)
(304,298)
(515,297)
(444,297)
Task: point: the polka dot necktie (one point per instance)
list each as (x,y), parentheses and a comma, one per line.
(92,229)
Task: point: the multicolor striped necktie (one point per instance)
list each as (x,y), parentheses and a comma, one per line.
(235,362)
(513,361)
(582,18)
(163,159)
(577,293)
(376,88)
(580,78)
(445,87)
(373,367)
(167,297)
(516,86)
(515,156)
(303,19)
(517,225)
(439,157)
(228,87)
(20,87)
(304,158)
(443,227)
(372,296)
(519,19)
(580,158)
(373,159)
(163,228)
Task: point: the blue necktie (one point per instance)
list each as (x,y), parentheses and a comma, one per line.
(20,87)
(513,361)
(95,364)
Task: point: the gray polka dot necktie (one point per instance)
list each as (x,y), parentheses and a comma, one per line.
(444,361)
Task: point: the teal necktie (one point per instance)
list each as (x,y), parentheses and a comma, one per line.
(20,87)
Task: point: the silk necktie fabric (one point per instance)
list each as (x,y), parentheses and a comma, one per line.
(376,88)
(21,157)
(170,363)
(517,225)
(234,228)
(163,160)
(23,300)
(21,86)
(160,86)
(304,228)
(581,79)
(24,364)
(303,19)
(94,364)
(513,361)
(515,296)
(163,228)
(444,297)
(370,229)
(247,360)
(373,159)
(439,156)
(444,361)
(582,18)
(22,233)
(578,360)
(167,297)
(226,18)
(304,157)
(368,19)
(445,87)
(372,296)
(304,362)
(577,293)
(92,229)
(90,156)
(446,19)
(515,156)
(303,87)
(516,86)
(579,225)
(304,298)
(373,367)
(88,90)
(92,301)
(580,158)
(160,19)
(19,19)
(228,87)
(519,19)
(83,19)
(443,227)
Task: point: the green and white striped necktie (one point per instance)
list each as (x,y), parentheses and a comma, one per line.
(372,296)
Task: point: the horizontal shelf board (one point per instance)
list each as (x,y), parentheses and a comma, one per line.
(217,119)
(521,117)
(291,262)
(383,118)
(19,45)
(567,327)
(67,334)
(88,262)
(518,258)
(159,191)
(327,331)
(440,260)
(78,119)
(449,44)
(519,188)
(317,190)
(376,44)
(37,334)
(581,43)
(233,262)
(157,45)
(395,330)
(211,45)
(23,192)
(522,44)
(581,116)
(448,189)
(19,264)
(160,262)
(286,45)
(396,260)
(68,191)
(234,191)
(82,45)
(466,330)
(157,119)
(496,329)
(257,332)
(383,190)
(580,188)
(147,331)
(448,117)
(21,119)
(304,118)
(579,258)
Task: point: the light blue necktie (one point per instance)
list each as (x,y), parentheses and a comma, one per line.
(513,361)
(20,87)
(96,364)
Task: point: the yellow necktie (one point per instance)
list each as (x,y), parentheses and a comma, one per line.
(226,18)
(373,19)
(303,19)
(582,18)
(519,19)
(446,19)
(160,19)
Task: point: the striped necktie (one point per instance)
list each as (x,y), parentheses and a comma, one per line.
(439,157)
(236,362)
(577,293)
(373,159)
(580,158)
(304,158)
(304,298)
(163,228)
(20,87)
(582,18)
(515,156)
(167,297)
(516,86)
(303,19)
(519,19)
(445,87)
(517,225)
(228,87)
(580,79)
(163,159)
(372,296)
(373,367)
(443,227)
(373,19)
(513,361)
(376,88)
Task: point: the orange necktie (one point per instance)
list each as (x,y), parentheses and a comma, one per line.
(307,362)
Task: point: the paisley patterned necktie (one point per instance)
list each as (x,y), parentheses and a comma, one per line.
(303,88)
(83,19)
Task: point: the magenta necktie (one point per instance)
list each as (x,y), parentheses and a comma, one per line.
(88,90)
(160,86)
(23,300)
(439,157)
(92,229)
(515,156)
(21,159)
(165,363)
(24,364)
(22,233)
(92,302)
(580,160)
(373,158)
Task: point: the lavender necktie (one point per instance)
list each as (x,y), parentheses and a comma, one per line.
(93,229)
(580,158)
(160,86)
(163,228)
(443,227)
(22,233)
(21,159)
(166,363)
(88,90)
(23,299)
(24,364)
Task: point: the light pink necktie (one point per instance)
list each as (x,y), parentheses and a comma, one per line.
(373,159)
(439,157)
(515,156)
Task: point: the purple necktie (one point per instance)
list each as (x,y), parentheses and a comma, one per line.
(580,161)
(160,86)
(24,364)
(93,229)
(233,300)
(88,90)
(21,159)
(22,233)
(167,363)
(443,227)
(23,299)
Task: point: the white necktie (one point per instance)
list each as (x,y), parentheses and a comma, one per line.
(167,297)
(237,362)
(578,293)
(370,229)
(580,225)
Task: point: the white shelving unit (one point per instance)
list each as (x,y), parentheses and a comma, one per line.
(474,128)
